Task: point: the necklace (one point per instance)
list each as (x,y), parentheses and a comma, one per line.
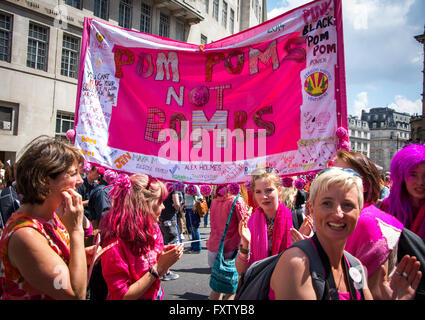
(270,223)
(339,281)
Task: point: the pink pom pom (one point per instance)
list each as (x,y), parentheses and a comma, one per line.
(190,190)
(110,175)
(70,134)
(199,96)
(170,187)
(341,133)
(234,188)
(299,183)
(310,177)
(100,170)
(287,182)
(205,190)
(221,190)
(344,145)
(179,186)
(86,167)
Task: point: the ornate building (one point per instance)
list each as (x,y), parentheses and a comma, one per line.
(359,135)
(389,132)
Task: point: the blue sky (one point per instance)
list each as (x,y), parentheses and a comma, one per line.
(383,61)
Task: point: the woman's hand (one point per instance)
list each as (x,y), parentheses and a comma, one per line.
(404,281)
(72,211)
(296,235)
(307,226)
(169,256)
(244,233)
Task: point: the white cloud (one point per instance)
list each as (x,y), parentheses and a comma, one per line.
(286,5)
(360,103)
(402,104)
(376,14)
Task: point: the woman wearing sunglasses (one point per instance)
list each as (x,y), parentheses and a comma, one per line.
(336,199)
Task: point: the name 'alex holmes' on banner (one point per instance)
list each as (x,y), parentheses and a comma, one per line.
(271,95)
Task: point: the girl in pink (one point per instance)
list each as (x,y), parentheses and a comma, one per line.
(267,232)
(220,209)
(136,258)
(407,197)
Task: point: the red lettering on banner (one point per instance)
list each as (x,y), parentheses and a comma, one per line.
(118,57)
(268,125)
(295,52)
(155,123)
(314,13)
(212,60)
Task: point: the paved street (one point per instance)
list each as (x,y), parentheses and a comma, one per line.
(194,273)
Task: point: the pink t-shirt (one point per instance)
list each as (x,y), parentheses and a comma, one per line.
(121,268)
(219,213)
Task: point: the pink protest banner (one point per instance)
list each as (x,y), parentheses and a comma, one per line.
(272,95)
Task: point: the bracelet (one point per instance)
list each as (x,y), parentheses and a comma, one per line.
(153,272)
(246,251)
(246,260)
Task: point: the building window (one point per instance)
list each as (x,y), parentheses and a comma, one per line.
(74,3)
(232,21)
(37,47)
(9,114)
(179,31)
(101,9)
(145,18)
(215,10)
(5,37)
(164,25)
(204,39)
(125,14)
(224,15)
(70,52)
(6,116)
(64,122)
(207,5)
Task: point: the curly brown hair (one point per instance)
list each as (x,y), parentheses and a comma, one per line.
(42,158)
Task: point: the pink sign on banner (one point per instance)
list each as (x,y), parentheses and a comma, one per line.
(272,95)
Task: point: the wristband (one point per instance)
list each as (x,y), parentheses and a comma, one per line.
(242,259)
(245,251)
(153,272)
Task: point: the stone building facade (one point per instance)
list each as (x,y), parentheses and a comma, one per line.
(389,132)
(359,135)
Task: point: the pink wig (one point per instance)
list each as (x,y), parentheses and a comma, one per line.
(405,160)
(130,217)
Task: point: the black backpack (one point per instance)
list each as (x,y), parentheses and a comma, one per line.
(254,283)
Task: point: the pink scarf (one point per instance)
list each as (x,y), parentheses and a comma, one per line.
(418,225)
(281,236)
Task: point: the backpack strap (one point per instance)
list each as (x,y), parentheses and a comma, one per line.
(358,277)
(317,271)
(321,274)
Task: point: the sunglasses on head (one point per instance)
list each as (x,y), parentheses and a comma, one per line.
(344,169)
(258,171)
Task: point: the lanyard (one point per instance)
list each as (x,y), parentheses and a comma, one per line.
(330,281)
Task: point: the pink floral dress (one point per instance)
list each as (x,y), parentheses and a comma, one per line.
(13,285)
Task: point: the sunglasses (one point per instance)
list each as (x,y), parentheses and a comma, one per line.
(355,173)
(259,171)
